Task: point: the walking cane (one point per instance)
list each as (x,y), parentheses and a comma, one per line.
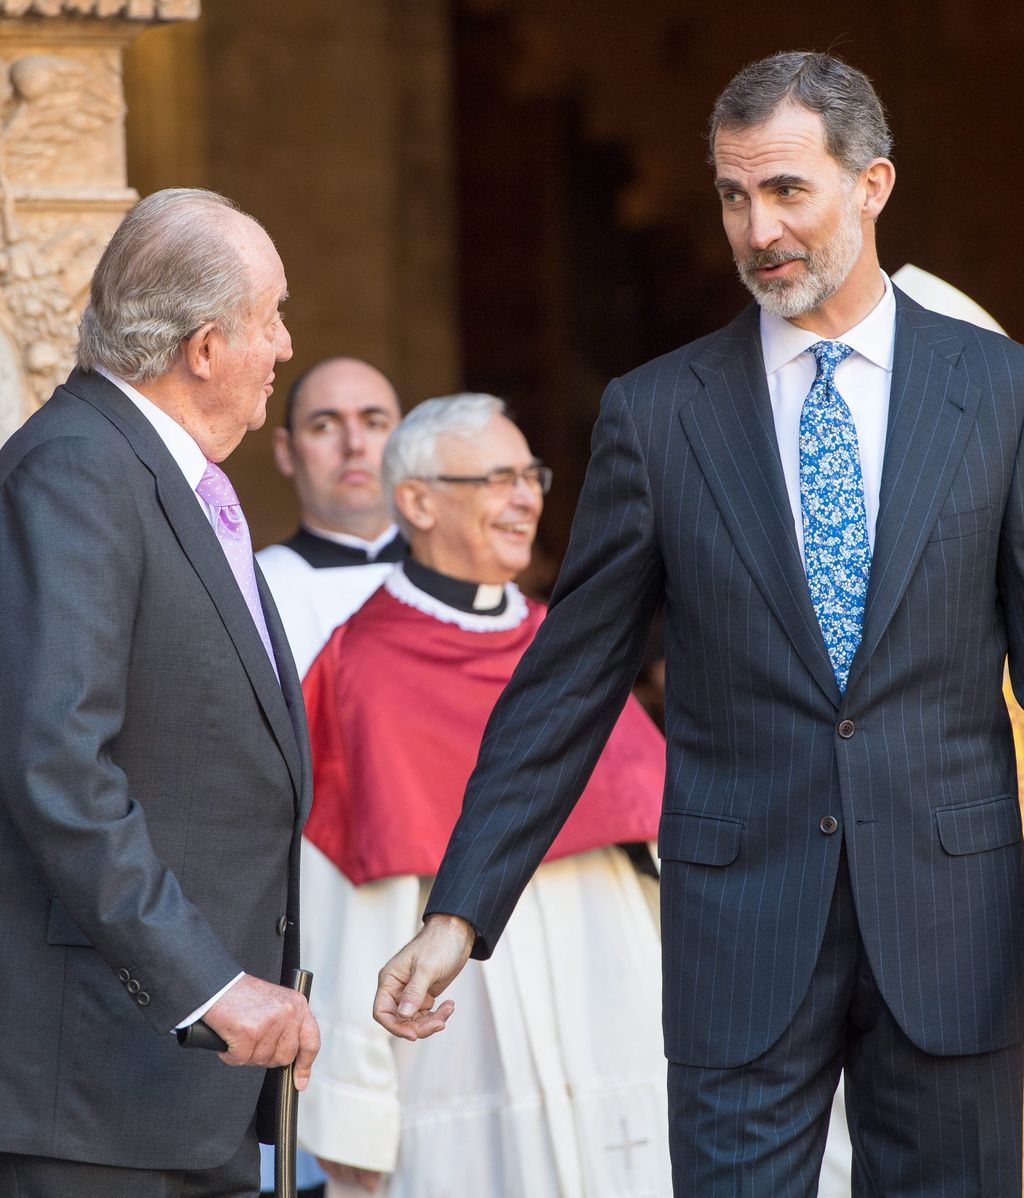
(287,1110)
(201,1035)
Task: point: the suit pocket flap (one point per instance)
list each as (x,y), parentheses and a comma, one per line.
(976,827)
(699,839)
(61,928)
(961,524)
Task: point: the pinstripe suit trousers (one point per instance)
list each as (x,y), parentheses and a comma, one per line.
(922,1126)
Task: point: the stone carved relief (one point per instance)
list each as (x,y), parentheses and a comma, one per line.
(62,175)
(128,10)
(50,103)
(51,108)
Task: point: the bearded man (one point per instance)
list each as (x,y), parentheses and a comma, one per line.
(827,497)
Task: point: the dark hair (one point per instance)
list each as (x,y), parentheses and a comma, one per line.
(856,129)
(292,397)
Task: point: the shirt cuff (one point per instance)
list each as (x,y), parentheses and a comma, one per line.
(199,1012)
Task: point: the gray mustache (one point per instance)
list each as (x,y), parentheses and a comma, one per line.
(770,258)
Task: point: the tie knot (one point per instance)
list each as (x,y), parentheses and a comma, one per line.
(828,355)
(215,488)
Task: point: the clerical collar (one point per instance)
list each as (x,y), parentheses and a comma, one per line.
(326,553)
(481,599)
(510,614)
(372,548)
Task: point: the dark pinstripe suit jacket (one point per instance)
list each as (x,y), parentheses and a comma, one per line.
(154,776)
(685,503)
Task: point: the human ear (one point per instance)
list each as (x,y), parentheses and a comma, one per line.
(877,179)
(198,350)
(281,440)
(415,503)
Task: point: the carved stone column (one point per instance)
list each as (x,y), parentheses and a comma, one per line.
(63,186)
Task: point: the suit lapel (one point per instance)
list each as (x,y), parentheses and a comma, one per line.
(932,408)
(730,427)
(291,688)
(200,545)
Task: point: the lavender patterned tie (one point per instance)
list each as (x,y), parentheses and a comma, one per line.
(837,554)
(232,531)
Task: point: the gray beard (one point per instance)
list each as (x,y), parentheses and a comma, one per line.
(825,271)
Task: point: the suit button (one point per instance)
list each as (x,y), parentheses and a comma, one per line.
(846,729)
(134,986)
(124,975)
(142,998)
(828,824)
(282,925)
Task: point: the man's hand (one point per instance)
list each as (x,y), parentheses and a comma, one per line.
(267,1025)
(415,976)
(350,1174)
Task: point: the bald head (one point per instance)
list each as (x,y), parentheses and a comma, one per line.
(337,417)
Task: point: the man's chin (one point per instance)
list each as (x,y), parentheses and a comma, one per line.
(358,499)
(782,297)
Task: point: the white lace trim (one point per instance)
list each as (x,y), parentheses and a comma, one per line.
(397,585)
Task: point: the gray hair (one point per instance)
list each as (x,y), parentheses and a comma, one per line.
(856,129)
(168,269)
(411,450)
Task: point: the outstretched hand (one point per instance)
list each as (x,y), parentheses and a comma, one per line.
(415,976)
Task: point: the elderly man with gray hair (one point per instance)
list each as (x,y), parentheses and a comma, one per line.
(154,770)
(527,1093)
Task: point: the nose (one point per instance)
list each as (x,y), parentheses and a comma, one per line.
(764,227)
(353,438)
(284,343)
(526,494)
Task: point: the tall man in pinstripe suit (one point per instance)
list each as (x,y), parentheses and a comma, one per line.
(828,497)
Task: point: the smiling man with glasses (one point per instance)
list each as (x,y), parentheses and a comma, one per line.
(398,700)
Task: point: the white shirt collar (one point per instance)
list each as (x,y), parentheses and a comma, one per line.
(873,338)
(371,548)
(180,444)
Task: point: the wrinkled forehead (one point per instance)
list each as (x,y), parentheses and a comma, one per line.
(791,133)
(501,443)
(256,250)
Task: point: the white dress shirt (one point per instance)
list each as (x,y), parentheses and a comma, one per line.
(192,462)
(863,380)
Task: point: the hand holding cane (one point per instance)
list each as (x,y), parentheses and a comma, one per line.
(201,1035)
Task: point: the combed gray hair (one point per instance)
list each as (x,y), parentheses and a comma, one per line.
(411,450)
(856,129)
(168,269)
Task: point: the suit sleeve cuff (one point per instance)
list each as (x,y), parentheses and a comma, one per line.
(199,1012)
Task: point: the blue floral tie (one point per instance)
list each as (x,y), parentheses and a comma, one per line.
(837,555)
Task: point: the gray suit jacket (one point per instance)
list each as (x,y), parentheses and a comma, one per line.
(154,778)
(685,503)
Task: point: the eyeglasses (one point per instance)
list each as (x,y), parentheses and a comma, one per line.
(536,477)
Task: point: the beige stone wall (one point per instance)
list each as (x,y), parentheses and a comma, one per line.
(63,185)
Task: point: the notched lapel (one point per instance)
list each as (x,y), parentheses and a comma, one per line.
(731,430)
(932,409)
(200,545)
(291,688)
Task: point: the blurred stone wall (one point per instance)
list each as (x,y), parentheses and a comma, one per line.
(63,184)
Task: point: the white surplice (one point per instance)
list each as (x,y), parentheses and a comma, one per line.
(549,1081)
(314,601)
